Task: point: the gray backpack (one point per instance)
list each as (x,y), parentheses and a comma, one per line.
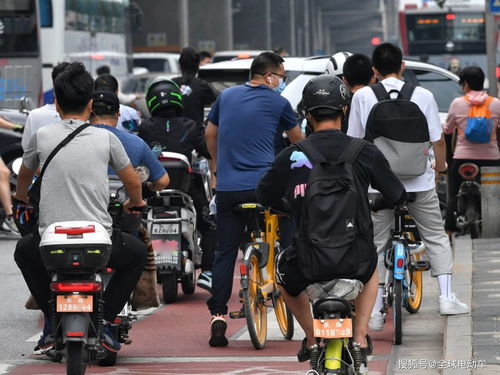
(399,129)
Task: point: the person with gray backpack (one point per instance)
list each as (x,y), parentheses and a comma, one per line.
(403,122)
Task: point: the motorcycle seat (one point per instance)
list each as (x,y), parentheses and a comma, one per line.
(331,305)
(249,206)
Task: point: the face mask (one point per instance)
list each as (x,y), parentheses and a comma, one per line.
(281,86)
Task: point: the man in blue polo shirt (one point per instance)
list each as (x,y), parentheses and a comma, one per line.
(105,114)
(243,125)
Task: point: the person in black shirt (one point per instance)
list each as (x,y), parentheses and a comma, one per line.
(288,179)
(176,133)
(196,93)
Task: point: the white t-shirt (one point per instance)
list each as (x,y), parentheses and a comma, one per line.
(38,118)
(129,120)
(364,100)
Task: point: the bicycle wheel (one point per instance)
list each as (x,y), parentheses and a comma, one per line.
(397,310)
(284,316)
(416,288)
(255,308)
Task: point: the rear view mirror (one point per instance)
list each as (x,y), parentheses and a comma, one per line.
(26,105)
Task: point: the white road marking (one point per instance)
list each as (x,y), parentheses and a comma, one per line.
(35,338)
(4,368)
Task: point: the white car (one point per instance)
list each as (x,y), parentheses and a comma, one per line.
(157,62)
(442,83)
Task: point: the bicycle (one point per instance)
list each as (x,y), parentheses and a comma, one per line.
(258,280)
(333,327)
(403,285)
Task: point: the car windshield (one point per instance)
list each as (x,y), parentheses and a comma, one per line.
(443,88)
(153,65)
(221,79)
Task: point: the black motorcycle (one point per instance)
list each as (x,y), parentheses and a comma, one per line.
(469,201)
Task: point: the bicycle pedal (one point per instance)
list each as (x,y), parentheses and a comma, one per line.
(422,265)
(237,314)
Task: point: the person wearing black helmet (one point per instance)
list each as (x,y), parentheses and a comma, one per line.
(324,101)
(176,133)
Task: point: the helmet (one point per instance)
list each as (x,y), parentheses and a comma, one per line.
(336,63)
(325,91)
(163,93)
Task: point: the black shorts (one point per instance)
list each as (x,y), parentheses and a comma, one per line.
(290,276)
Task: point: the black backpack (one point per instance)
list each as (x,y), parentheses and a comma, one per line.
(332,239)
(399,129)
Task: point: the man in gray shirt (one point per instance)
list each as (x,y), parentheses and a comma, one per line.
(75,187)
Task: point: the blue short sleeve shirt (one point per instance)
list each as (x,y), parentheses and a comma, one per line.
(138,152)
(248,119)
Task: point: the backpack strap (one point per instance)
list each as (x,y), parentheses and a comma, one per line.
(312,154)
(380,92)
(352,150)
(406,91)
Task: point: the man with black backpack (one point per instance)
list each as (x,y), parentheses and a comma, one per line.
(326,179)
(403,122)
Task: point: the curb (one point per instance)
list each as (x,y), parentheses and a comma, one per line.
(457,343)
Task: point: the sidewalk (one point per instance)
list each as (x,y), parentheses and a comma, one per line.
(471,342)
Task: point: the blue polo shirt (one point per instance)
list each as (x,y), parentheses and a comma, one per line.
(138,152)
(248,120)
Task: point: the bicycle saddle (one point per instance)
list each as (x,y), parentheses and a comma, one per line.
(331,305)
(249,206)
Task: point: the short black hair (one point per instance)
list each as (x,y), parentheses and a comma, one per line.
(73,88)
(189,60)
(387,59)
(325,114)
(266,62)
(58,69)
(358,70)
(106,82)
(204,54)
(473,76)
(103,69)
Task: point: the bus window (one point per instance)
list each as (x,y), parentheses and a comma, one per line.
(443,88)
(46,17)
(19,36)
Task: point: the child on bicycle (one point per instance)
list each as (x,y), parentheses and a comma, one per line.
(325,99)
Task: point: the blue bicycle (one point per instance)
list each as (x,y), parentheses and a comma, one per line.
(403,284)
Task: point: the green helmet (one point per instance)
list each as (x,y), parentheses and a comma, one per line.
(163,93)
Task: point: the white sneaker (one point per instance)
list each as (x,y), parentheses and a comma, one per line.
(377,321)
(452,306)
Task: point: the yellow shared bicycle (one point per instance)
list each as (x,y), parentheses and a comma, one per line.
(258,282)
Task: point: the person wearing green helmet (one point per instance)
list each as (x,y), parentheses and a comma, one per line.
(174,132)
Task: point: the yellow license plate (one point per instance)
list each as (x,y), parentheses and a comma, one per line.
(75,303)
(333,328)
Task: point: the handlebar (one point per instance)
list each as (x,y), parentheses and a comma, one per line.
(379,203)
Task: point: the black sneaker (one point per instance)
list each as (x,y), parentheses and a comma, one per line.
(110,342)
(304,353)
(218,328)
(205,281)
(46,341)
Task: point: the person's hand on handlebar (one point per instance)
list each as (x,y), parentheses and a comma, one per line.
(134,207)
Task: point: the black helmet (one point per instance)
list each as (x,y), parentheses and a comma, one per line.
(325,91)
(163,93)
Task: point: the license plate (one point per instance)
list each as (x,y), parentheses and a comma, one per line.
(165,229)
(75,303)
(333,328)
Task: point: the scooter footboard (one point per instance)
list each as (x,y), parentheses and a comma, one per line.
(75,327)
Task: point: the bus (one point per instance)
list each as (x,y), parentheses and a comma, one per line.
(20,64)
(91,31)
(455,30)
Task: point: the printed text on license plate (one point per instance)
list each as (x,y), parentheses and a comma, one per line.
(333,328)
(75,303)
(165,229)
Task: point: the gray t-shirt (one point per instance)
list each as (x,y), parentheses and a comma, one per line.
(75,185)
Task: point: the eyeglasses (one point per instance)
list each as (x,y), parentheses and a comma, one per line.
(284,77)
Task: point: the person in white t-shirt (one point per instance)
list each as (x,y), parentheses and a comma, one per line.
(43,116)
(388,66)
(129,119)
